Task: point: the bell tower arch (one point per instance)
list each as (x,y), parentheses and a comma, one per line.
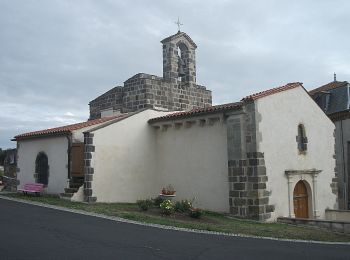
(179,59)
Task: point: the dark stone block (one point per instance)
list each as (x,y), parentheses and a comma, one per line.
(253,162)
(87,192)
(260,170)
(243,212)
(250,202)
(234,210)
(239,186)
(237,171)
(243,178)
(230,202)
(269,208)
(253,179)
(239,202)
(257,186)
(243,194)
(87,162)
(233,179)
(255,210)
(261,201)
(233,193)
(242,162)
(88,170)
(88,156)
(88,177)
(87,185)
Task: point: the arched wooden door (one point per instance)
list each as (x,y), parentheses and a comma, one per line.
(42,168)
(301,200)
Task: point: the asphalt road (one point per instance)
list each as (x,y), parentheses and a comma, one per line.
(33,232)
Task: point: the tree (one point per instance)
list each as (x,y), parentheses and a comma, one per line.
(2,156)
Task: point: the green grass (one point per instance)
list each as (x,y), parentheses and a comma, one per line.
(211,221)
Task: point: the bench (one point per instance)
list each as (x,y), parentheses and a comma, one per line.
(36,188)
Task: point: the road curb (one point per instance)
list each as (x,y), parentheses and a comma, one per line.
(122,220)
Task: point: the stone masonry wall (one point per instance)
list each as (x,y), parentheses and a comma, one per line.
(148,91)
(88,169)
(111,99)
(248,195)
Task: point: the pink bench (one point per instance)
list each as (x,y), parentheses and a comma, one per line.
(36,188)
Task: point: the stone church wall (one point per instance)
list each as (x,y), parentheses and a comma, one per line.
(278,127)
(121,167)
(148,91)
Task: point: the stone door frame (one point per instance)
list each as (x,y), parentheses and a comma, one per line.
(309,177)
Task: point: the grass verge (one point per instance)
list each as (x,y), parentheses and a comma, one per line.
(210,221)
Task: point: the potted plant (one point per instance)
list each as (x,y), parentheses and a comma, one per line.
(167,192)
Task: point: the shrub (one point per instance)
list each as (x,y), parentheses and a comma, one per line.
(167,207)
(196,213)
(183,206)
(157,201)
(144,204)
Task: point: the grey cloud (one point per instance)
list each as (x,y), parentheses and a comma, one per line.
(57,55)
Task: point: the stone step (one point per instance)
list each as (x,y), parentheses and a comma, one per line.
(66,195)
(71,190)
(75,185)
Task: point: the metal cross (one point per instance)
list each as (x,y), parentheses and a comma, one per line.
(178,23)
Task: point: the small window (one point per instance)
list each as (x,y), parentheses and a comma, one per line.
(301,139)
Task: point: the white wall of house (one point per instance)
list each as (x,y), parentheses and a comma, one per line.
(193,159)
(278,120)
(56,150)
(124,160)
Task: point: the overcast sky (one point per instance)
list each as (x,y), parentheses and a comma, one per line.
(57,55)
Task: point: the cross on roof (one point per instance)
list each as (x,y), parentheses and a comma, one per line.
(178,23)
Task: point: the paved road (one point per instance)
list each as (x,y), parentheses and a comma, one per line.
(32,232)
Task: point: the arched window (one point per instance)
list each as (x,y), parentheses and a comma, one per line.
(42,168)
(182,61)
(302,139)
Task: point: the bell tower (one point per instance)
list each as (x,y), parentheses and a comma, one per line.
(179,59)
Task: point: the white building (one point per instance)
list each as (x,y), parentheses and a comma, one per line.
(259,158)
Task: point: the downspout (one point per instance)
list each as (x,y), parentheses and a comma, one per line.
(69,149)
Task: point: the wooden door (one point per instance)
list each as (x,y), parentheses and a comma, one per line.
(77,160)
(300,199)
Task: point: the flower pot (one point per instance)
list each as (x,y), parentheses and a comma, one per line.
(167,197)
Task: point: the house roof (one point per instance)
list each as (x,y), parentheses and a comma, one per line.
(66,129)
(225,107)
(198,111)
(271,91)
(329,86)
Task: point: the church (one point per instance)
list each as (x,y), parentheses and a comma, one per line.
(259,158)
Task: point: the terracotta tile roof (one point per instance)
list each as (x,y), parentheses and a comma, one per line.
(328,86)
(66,129)
(272,91)
(198,111)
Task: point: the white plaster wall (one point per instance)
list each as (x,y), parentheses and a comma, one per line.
(124,160)
(281,114)
(56,150)
(194,161)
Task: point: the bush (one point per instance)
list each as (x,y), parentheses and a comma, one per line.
(144,204)
(157,201)
(195,213)
(167,207)
(183,206)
